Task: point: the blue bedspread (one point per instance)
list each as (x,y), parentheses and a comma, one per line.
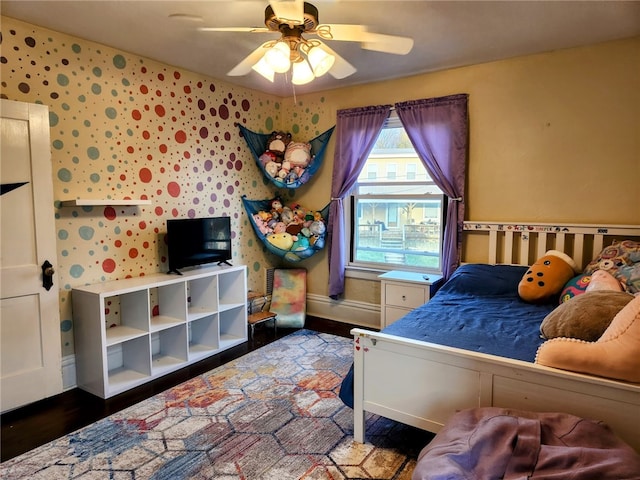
(477,309)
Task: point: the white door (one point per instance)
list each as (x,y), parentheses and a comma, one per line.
(30,355)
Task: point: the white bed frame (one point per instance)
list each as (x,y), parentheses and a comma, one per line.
(422,384)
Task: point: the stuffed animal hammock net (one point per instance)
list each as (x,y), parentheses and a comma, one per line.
(310,236)
(257,143)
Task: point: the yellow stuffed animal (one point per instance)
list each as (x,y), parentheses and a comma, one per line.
(545,278)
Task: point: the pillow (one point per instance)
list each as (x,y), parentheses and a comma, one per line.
(574,287)
(545,278)
(586,316)
(622,260)
(484,279)
(614,355)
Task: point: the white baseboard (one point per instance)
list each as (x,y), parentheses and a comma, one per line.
(347,311)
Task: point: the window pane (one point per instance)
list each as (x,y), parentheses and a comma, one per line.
(411,171)
(399,232)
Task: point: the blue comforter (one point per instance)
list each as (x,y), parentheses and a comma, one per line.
(477,309)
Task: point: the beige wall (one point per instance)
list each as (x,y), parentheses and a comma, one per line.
(554,137)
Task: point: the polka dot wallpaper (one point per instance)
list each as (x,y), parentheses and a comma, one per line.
(126,127)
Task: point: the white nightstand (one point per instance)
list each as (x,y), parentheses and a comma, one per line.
(401,292)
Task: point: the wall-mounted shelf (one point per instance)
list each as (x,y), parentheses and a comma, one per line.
(84,202)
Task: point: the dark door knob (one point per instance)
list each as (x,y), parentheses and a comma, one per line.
(47,275)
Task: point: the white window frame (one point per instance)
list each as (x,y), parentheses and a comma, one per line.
(429,192)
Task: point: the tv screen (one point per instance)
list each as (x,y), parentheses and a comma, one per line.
(196,241)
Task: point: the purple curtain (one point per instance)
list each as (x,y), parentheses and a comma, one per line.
(439,131)
(356,132)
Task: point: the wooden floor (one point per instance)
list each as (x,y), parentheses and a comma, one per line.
(36,424)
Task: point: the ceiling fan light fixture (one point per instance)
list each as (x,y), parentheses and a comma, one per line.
(278,57)
(302,73)
(263,68)
(320,61)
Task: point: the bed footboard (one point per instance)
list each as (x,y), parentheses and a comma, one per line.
(423,384)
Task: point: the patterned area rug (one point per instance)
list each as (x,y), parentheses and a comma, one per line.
(272,414)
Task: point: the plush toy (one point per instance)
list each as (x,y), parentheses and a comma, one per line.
(261,224)
(574,287)
(302,243)
(272,168)
(613,355)
(622,260)
(267,157)
(586,316)
(283,241)
(286,215)
(298,153)
(602,280)
(317,228)
(546,277)
(277,143)
(279,227)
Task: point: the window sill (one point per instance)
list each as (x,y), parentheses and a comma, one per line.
(363,273)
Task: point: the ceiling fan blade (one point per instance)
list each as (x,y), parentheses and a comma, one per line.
(249,61)
(235,29)
(341,68)
(341,32)
(387,43)
(289,10)
(368,40)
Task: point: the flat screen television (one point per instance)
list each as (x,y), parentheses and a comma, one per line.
(196,241)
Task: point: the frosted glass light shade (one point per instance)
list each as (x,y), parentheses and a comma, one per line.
(302,73)
(278,57)
(321,61)
(263,68)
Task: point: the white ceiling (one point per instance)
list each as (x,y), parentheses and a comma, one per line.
(446,33)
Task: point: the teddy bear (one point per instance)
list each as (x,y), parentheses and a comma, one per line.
(278,142)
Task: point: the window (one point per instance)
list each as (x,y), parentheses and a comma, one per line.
(396,220)
(412,170)
(391,171)
(372,171)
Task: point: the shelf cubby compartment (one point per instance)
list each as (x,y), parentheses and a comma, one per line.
(168,349)
(202,297)
(203,337)
(128,364)
(126,316)
(232,290)
(130,331)
(171,300)
(233,330)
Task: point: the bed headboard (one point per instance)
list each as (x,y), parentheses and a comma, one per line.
(523,243)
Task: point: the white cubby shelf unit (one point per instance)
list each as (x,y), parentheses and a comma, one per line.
(128,332)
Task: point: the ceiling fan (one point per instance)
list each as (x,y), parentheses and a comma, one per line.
(307,58)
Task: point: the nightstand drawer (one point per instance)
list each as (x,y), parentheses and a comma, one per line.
(391,314)
(405,296)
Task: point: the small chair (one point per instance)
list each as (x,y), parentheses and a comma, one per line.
(254,318)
